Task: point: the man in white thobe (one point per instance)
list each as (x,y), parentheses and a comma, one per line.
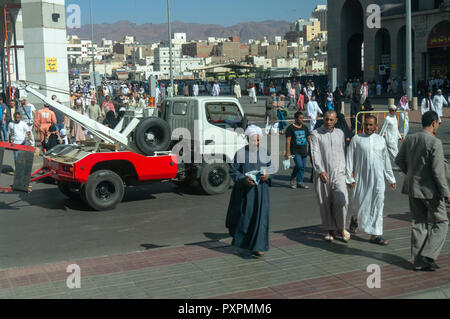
(367,168)
(391,133)
(195,89)
(237,90)
(216,89)
(313,110)
(439,102)
(328,158)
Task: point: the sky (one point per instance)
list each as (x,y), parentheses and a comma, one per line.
(225,13)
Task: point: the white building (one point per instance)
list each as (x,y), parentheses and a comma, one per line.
(260,61)
(286,63)
(162,60)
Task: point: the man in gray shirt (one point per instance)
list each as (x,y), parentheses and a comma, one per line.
(421,158)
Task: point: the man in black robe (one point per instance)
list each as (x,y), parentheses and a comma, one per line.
(249,208)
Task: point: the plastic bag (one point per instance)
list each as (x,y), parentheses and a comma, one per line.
(274,129)
(287,164)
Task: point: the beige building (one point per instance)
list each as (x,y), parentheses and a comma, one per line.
(357,50)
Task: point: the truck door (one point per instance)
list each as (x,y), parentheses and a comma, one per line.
(181,114)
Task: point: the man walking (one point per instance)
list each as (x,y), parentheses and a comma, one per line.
(328,157)
(421,158)
(297,140)
(28,114)
(18,132)
(439,102)
(313,110)
(368,166)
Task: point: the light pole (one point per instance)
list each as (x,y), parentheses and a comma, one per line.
(170,43)
(92,46)
(408,51)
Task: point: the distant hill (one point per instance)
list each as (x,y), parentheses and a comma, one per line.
(151,33)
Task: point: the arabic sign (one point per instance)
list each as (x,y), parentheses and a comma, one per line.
(440,35)
(51,65)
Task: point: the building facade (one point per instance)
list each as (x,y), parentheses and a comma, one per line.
(358,51)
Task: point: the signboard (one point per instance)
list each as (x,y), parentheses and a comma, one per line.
(51,65)
(386,59)
(382,70)
(440,35)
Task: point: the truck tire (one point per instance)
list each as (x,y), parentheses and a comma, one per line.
(69,189)
(215,178)
(160,130)
(104,190)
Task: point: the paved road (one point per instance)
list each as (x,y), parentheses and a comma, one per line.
(44,226)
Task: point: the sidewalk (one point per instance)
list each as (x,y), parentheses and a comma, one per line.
(299,265)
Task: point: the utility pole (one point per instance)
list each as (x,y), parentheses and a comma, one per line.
(93,51)
(170,43)
(409,75)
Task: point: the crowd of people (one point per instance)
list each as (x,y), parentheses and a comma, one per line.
(349,179)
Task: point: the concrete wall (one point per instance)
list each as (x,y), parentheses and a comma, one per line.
(44,38)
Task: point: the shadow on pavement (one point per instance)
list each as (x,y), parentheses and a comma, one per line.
(151,246)
(313,236)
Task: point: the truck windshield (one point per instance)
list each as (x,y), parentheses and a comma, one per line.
(226,115)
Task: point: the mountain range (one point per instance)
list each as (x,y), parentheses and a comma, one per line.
(152,33)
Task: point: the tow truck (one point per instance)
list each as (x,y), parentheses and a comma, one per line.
(136,151)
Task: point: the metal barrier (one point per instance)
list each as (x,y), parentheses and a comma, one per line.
(363,113)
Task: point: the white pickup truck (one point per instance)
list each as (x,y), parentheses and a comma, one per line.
(211,130)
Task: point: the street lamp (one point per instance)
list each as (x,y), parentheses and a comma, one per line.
(170,42)
(92,46)
(408,50)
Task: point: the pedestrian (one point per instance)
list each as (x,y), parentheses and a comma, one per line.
(391,133)
(186,89)
(439,102)
(421,159)
(76,130)
(18,132)
(292,100)
(60,118)
(237,90)
(313,111)
(271,108)
(28,115)
(328,158)
(216,89)
(301,102)
(427,103)
(175,86)
(349,89)
(297,141)
(252,93)
(403,105)
(368,166)
(249,209)
(94,111)
(195,89)
(364,93)
(107,105)
(355,108)
(169,90)
(3,123)
(44,119)
(281,116)
(52,139)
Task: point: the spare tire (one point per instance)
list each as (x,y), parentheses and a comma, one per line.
(152,135)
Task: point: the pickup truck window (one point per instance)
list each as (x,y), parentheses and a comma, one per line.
(179,108)
(225,115)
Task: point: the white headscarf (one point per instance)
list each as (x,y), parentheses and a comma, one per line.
(253,130)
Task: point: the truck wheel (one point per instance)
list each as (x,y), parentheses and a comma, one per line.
(215,178)
(103,190)
(152,135)
(70,190)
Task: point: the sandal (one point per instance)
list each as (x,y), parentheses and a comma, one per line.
(258,254)
(329,238)
(345,236)
(379,241)
(353,225)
